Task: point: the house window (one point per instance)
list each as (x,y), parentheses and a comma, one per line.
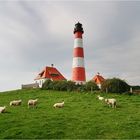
(54,74)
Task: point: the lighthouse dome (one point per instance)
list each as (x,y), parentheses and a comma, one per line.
(78,28)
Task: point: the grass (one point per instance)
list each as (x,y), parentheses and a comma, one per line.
(83,116)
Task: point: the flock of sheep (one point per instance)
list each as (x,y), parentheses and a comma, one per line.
(30,103)
(111,102)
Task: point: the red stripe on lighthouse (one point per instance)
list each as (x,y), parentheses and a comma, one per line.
(78,52)
(78,35)
(78,74)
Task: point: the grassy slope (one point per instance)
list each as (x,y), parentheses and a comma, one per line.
(82,117)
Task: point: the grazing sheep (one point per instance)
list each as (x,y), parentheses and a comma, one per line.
(2,109)
(100,98)
(58,105)
(15,102)
(32,102)
(111,102)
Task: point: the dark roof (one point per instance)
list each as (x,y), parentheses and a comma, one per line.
(78,28)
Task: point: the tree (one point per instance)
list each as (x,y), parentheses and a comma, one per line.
(115,85)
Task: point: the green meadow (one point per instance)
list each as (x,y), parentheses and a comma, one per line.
(82,117)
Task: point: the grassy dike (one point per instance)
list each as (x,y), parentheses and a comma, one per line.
(83,116)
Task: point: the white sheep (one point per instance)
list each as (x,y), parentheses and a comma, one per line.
(32,102)
(58,105)
(2,109)
(111,102)
(100,98)
(15,102)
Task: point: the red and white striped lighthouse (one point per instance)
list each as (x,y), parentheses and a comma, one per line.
(78,68)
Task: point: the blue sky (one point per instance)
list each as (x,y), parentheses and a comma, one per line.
(37,33)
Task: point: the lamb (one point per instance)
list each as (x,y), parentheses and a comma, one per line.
(58,105)
(100,98)
(15,102)
(111,102)
(32,102)
(2,109)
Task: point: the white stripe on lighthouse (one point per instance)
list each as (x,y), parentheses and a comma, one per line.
(78,42)
(78,62)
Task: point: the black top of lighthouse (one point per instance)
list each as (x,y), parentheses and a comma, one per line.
(78,28)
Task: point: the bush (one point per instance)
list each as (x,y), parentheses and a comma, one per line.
(135,87)
(115,85)
(91,85)
(48,84)
(80,88)
(69,86)
(60,85)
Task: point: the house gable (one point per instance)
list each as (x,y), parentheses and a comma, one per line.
(50,73)
(98,79)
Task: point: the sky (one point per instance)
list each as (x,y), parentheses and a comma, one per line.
(38,33)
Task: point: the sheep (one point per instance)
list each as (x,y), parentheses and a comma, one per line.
(2,109)
(111,102)
(32,102)
(15,102)
(100,98)
(58,105)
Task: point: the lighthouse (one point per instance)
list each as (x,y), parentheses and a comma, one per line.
(78,68)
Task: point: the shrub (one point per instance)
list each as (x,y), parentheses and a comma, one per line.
(80,88)
(115,85)
(91,85)
(48,84)
(135,87)
(60,85)
(71,86)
